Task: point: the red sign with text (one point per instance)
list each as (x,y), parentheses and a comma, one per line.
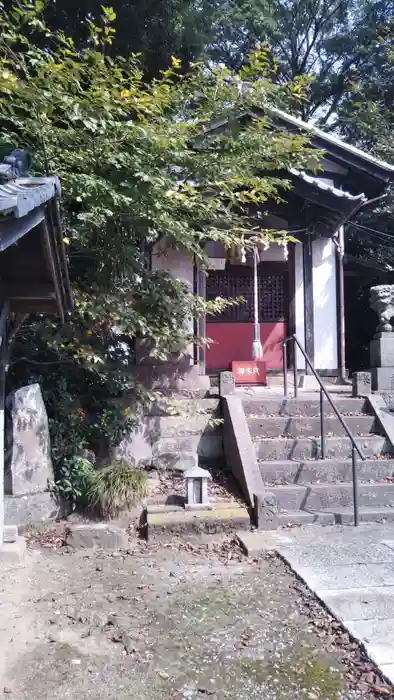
(250,372)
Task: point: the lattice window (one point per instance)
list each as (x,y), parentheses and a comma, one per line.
(232,284)
(272,297)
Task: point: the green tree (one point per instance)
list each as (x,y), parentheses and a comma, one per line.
(136,166)
(153,28)
(333,42)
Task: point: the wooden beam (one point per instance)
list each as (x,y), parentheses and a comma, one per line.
(34,306)
(49,256)
(202,321)
(14,229)
(62,252)
(308,301)
(323,198)
(55,241)
(27,291)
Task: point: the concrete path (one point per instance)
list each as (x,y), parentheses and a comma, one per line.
(351,570)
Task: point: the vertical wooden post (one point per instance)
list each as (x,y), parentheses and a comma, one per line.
(291,319)
(202,322)
(341,305)
(308,301)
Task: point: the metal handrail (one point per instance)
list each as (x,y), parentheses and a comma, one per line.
(323,393)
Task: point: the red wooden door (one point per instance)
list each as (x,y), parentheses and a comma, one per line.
(231,333)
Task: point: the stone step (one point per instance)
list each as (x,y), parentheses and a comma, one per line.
(258,541)
(299,426)
(330,497)
(369,514)
(309,448)
(302,517)
(180,426)
(167,522)
(325,471)
(184,406)
(302,406)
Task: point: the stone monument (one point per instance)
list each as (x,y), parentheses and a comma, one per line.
(226,383)
(28,464)
(382,345)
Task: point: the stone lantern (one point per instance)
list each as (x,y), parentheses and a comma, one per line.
(197,488)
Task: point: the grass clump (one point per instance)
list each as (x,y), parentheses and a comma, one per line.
(115,488)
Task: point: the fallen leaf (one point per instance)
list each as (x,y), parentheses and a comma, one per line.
(382,689)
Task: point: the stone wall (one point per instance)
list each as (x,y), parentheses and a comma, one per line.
(178,438)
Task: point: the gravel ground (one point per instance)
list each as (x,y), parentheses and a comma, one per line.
(185,621)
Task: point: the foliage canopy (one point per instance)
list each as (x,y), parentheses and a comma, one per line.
(136,168)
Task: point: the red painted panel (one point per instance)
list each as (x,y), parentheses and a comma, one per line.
(233,341)
(254,372)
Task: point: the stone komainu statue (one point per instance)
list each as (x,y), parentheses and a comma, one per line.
(382,301)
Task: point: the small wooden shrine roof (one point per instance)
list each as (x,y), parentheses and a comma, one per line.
(33,263)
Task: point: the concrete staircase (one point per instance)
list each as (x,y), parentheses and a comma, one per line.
(286,437)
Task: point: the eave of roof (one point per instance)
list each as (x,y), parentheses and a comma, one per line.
(313,130)
(26,203)
(329,138)
(327,187)
(19,197)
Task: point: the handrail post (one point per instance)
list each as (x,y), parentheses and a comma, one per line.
(295,368)
(356,449)
(284,350)
(322,443)
(355,486)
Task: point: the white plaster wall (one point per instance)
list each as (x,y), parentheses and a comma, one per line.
(325,303)
(181,266)
(175,261)
(275,253)
(299,303)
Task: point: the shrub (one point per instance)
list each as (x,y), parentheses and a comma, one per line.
(75,478)
(115,488)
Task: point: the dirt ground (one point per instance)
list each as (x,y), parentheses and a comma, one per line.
(167,623)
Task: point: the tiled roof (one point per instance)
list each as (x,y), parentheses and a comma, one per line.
(21,196)
(327,187)
(330,138)
(305,126)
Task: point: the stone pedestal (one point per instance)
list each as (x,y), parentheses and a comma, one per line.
(381,350)
(382,378)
